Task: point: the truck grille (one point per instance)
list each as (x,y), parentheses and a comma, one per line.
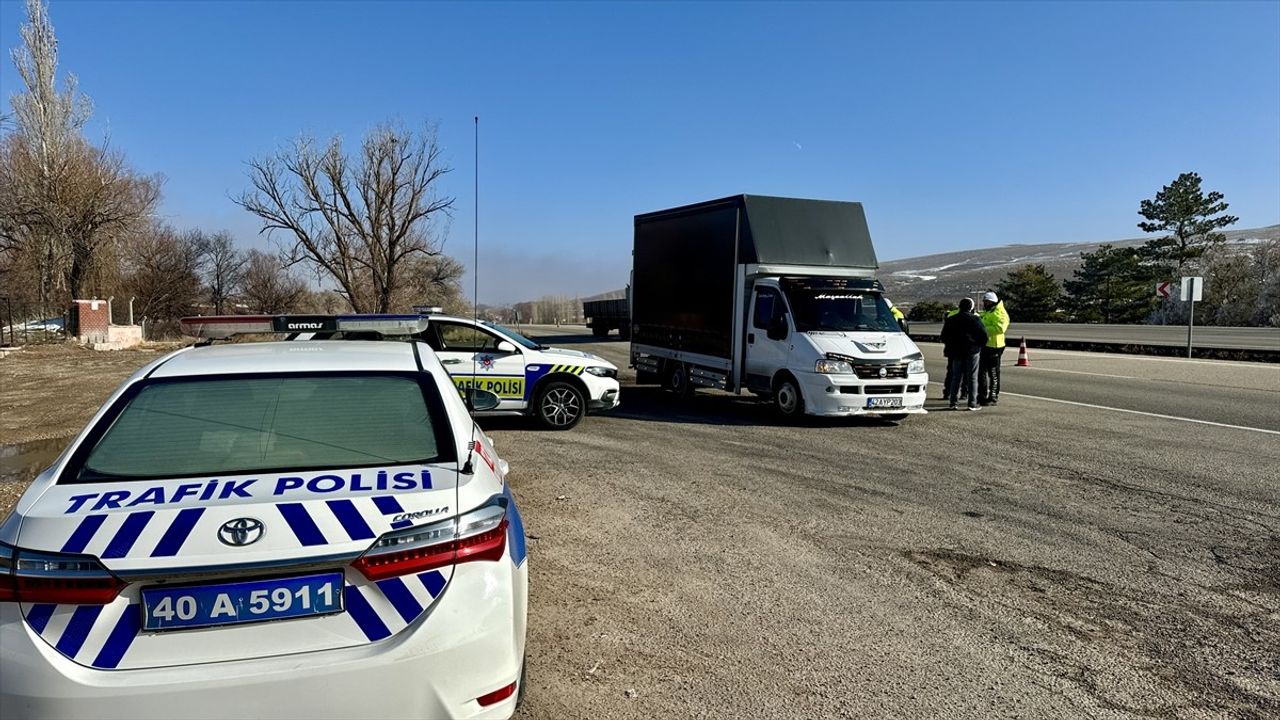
(882,389)
(872,372)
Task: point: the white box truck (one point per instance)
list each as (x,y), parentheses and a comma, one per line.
(773,296)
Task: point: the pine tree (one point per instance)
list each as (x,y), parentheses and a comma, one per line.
(1030,293)
(1191,217)
(1111,286)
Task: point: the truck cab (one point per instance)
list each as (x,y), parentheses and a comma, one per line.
(773,296)
(830,346)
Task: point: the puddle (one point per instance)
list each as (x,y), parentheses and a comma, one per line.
(23,461)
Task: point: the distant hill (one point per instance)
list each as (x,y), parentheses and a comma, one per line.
(946,276)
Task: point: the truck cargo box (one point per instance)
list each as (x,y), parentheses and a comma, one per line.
(685,261)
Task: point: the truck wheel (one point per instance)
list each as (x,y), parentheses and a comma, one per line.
(678,381)
(787,398)
(560,406)
(600,331)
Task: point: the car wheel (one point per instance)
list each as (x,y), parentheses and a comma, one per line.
(560,406)
(678,381)
(787,398)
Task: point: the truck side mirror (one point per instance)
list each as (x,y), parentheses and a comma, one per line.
(778,328)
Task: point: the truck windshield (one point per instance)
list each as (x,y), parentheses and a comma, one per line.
(839,309)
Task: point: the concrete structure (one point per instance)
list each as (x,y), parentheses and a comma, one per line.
(90,324)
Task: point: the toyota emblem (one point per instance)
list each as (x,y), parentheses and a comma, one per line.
(240,532)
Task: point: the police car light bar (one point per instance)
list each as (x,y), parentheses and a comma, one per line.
(219,327)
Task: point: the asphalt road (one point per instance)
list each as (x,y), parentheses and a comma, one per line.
(1038,559)
(1103,543)
(1175,335)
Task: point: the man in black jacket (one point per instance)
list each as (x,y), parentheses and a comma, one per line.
(963,337)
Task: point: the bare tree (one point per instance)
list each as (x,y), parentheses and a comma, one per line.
(62,199)
(268,287)
(358,222)
(161,269)
(222,264)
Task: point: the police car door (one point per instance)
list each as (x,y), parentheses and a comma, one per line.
(473,354)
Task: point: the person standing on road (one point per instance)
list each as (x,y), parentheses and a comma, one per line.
(946,381)
(897,315)
(963,339)
(996,320)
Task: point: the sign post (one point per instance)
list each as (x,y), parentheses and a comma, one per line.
(1192,290)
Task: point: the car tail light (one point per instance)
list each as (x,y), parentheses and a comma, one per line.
(43,577)
(497,696)
(478,535)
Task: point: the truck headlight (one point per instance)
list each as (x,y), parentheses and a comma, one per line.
(915,366)
(601,371)
(833,367)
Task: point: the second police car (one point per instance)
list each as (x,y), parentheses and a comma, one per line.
(555,386)
(270,529)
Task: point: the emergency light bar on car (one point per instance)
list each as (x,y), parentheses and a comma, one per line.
(218,327)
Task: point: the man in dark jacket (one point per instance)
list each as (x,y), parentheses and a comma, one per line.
(963,337)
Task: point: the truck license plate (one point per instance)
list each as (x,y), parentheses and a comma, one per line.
(884,402)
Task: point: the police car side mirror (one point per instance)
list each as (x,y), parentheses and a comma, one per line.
(506,347)
(481,400)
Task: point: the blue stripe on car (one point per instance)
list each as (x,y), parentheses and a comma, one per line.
(84,532)
(78,628)
(39,616)
(351,520)
(173,538)
(304,528)
(387,505)
(515,530)
(128,534)
(401,599)
(121,637)
(433,581)
(363,613)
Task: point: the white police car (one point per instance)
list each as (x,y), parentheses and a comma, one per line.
(269,529)
(557,386)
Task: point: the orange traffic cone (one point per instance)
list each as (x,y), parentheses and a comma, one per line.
(1023,360)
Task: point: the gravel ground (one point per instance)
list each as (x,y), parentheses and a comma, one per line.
(701,560)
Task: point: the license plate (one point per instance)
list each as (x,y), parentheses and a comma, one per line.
(884,402)
(191,606)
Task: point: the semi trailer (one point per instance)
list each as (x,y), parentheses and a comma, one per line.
(772,296)
(605,315)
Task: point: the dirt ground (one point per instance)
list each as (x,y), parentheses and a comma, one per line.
(704,560)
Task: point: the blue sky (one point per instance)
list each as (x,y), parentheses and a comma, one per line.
(957,124)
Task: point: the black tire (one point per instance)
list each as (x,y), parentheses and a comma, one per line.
(599,331)
(787,399)
(677,381)
(560,405)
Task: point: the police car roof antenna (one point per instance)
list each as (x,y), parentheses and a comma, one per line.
(467,469)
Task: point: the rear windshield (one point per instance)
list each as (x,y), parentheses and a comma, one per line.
(237,425)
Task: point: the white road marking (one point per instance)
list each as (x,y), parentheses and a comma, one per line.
(1136,412)
(1081,372)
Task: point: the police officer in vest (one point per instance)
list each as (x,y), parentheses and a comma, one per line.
(996,320)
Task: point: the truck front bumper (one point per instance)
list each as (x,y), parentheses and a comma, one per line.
(847,395)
